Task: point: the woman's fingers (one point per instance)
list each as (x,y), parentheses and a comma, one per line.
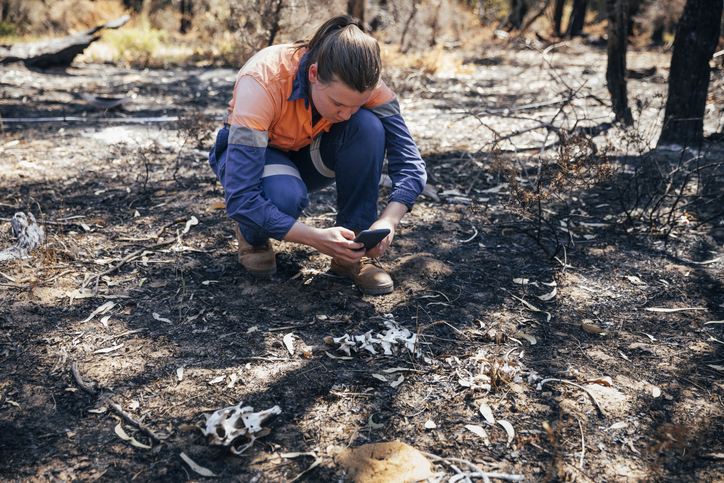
(381,247)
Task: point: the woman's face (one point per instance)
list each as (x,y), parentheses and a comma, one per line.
(335,101)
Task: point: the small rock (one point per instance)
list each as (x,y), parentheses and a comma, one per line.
(385,462)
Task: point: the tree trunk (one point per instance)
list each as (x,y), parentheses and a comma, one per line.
(185,16)
(516,14)
(518,10)
(697,34)
(578,18)
(529,21)
(407,25)
(434,25)
(5,7)
(558,17)
(135,5)
(273,19)
(356,8)
(616,69)
(634,7)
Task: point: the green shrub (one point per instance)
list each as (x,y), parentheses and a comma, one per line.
(7,29)
(136,45)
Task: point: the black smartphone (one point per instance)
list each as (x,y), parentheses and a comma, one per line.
(371,238)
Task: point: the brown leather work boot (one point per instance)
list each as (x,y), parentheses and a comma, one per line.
(259,261)
(367,274)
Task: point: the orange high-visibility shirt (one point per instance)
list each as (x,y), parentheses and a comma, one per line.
(267,99)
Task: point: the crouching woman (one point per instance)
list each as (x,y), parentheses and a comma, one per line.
(303,117)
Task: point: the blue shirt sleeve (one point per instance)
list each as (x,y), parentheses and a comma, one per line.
(242,188)
(404,163)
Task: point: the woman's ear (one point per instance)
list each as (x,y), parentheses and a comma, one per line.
(313,74)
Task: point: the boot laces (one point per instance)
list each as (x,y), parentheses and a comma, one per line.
(371,261)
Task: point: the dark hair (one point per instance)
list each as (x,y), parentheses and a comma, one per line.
(341,48)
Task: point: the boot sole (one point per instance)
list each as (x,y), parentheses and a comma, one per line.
(377,290)
(265,274)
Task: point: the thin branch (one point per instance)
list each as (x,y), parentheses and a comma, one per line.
(79,380)
(478,472)
(583,445)
(114,405)
(593,398)
(123,261)
(131,420)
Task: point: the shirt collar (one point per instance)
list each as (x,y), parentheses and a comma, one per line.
(299,86)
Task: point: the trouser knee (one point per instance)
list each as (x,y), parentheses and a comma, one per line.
(287,193)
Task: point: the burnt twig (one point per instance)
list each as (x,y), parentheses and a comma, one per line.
(114,405)
(123,261)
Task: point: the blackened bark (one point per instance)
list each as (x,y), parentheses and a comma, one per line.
(616,69)
(514,20)
(558,17)
(356,8)
(634,7)
(4,9)
(185,16)
(697,34)
(135,5)
(407,24)
(273,18)
(532,18)
(578,18)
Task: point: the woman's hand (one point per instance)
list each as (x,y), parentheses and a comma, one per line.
(382,246)
(390,219)
(335,242)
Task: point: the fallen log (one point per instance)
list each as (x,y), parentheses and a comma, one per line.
(56,52)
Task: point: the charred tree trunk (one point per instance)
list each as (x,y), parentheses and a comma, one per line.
(186,8)
(634,7)
(135,5)
(4,9)
(535,16)
(356,8)
(434,25)
(616,69)
(558,17)
(697,34)
(274,17)
(578,18)
(514,20)
(407,25)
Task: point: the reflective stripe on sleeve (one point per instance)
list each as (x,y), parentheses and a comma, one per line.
(248,137)
(317,157)
(279,169)
(387,109)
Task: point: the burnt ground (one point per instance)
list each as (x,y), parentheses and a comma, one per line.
(189,332)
